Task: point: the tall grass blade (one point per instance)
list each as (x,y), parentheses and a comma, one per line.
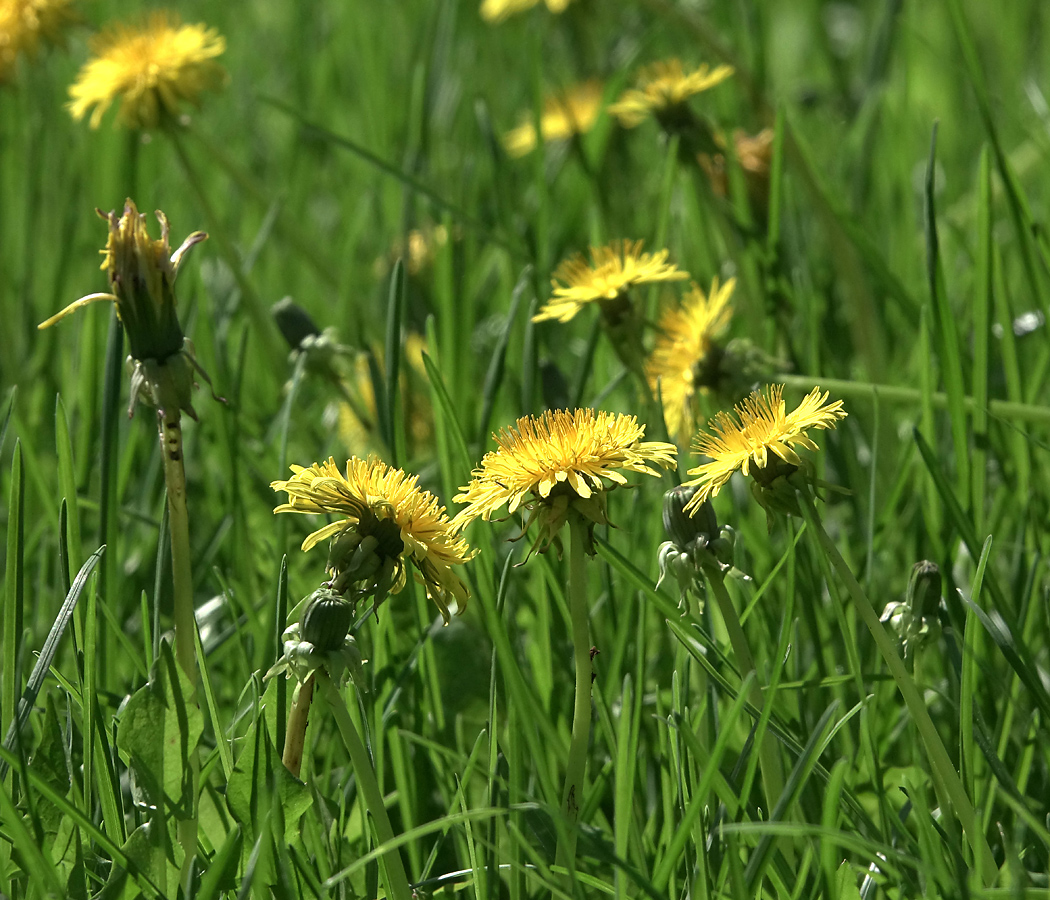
(47,654)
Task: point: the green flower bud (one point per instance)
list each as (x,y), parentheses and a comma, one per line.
(682,528)
(924,589)
(326,620)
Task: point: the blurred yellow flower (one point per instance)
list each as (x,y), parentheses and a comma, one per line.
(685,357)
(761,425)
(559,460)
(494,11)
(613,269)
(565,114)
(370,495)
(663,87)
(24,23)
(150,69)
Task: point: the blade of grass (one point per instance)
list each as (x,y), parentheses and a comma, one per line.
(47,653)
(13,590)
(944,329)
(394,314)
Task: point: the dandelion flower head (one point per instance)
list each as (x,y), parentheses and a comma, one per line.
(370,493)
(565,114)
(24,23)
(613,269)
(150,68)
(494,11)
(664,87)
(558,459)
(684,357)
(761,426)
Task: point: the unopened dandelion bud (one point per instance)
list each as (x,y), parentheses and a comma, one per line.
(294,322)
(682,528)
(924,589)
(326,620)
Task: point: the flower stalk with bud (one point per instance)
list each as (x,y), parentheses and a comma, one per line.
(142,274)
(388,526)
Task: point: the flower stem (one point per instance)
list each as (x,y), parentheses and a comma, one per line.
(170,427)
(295,737)
(396,880)
(769,759)
(575,769)
(946,779)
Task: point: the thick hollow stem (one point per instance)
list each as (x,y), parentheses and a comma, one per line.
(179,529)
(182,581)
(768,757)
(295,736)
(396,880)
(946,779)
(575,769)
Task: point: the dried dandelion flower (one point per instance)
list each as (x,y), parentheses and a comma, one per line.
(142,274)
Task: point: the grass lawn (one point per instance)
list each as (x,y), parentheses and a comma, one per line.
(518,266)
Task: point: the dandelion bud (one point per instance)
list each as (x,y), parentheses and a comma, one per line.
(326,620)
(682,528)
(914,620)
(924,589)
(293,322)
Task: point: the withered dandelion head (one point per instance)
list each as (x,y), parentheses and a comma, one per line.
(150,68)
(562,459)
(613,269)
(142,274)
(564,115)
(685,358)
(494,11)
(760,439)
(24,24)
(388,522)
(663,88)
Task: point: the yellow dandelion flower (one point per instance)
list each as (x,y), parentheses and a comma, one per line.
(150,69)
(557,460)
(663,87)
(761,426)
(564,115)
(494,11)
(25,23)
(370,496)
(612,271)
(685,358)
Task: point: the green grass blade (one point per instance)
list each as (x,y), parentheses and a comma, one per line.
(13,590)
(47,653)
(944,328)
(983,305)
(395,311)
